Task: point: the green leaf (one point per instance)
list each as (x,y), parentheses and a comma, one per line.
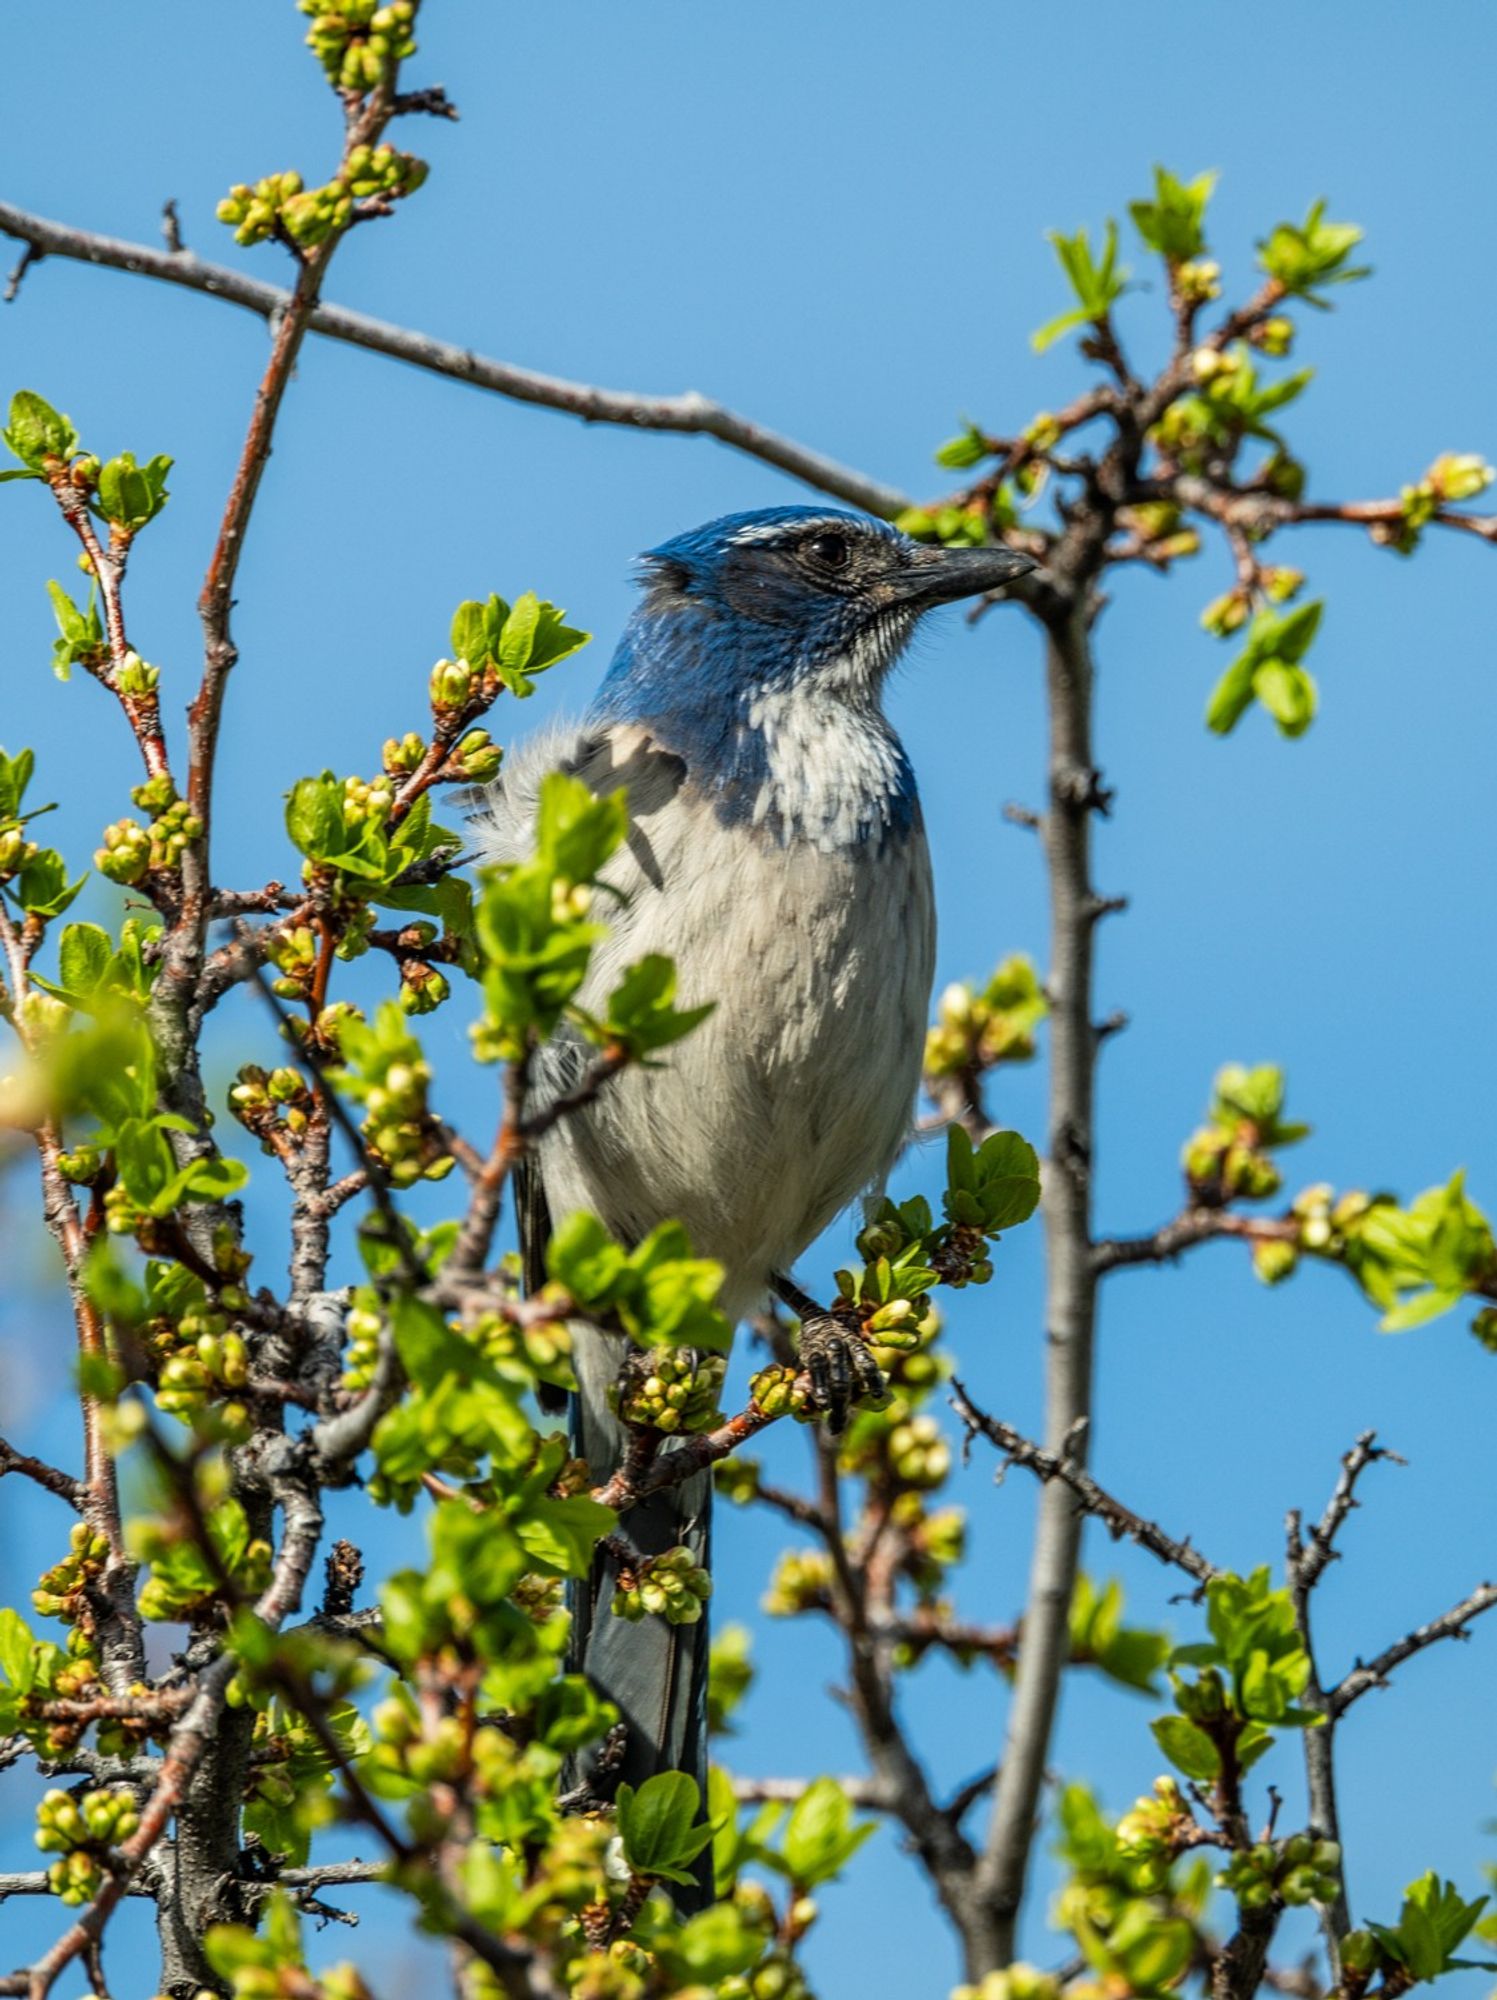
(83,958)
(37,431)
(655,1825)
(1173,223)
(820,1837)
(131,495)
(1289,695)
(562,1534)
(314,816)
(1304,256)
(1188,1747)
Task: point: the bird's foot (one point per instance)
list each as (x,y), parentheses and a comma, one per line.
(834,1353)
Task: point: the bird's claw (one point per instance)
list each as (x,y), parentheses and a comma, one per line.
(836,1357)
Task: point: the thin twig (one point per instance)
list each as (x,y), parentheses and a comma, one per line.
(1119,1520)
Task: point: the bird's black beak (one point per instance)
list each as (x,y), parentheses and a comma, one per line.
(933,575)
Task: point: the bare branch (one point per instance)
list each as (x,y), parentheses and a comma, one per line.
(1119,1520)
(690,413)
(1190,1227)
(1451,1624)
(63,1484)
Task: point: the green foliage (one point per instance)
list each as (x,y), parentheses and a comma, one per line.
(659,1294)
(1130,1655)
(821,1836)
(1303,258)
(657,1825)
(185,1577)
(132,495)
(516,642)
(1173,223)
(1134,1914)
(534,928)
(978,1028)
(990,1187)
(1248,1677)
(37,434)
(1097,282)
(1270,671)
(1432,1925)
(730,1676)
(80,639)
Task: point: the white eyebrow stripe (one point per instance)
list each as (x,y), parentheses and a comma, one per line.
(784,531)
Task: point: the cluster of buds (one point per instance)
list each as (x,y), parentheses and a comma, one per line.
(80,1831)
(1454,476)
(1223,1165)
(293,953)
(783,1392)
(969,526)
(382,173)
(63,1591)
(358,42)
(364,1327)
(131,851)
(368,799)
(1227,614)
(1159,1826)
(216,1363)
(671,1389)
(1273,336)
(1301,1870)
(456,687)
(15,850)
(280,204)
(76,1680)
(912,1371)
(396,1128)
(1015,1982)
(919,1456)
(737,1479)
(976,1029)
(802,1581)
(423,1753)
(937,1540)
(266,1101)
(777,1978)
(1158,526)
(402,754)
(541,1350)
(423,987)
(671,1586)
(252,212)
(1197,281)
(474,759)
(541,1598)
(1325,1222)
(137,678)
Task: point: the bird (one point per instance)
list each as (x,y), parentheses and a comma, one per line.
(776,852)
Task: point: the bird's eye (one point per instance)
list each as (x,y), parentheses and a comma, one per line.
(829,550)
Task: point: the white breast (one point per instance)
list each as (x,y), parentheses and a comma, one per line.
(797,1092)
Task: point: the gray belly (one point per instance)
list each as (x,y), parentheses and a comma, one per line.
(797,1092)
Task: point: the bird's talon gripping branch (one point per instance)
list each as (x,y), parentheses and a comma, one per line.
(843,1371)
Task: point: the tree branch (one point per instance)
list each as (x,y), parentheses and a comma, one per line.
(689,413)
(1450,1624)
(1090,1498)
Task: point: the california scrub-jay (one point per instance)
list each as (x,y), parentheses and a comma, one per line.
(776,853)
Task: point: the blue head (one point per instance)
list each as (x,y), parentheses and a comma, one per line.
(759,654)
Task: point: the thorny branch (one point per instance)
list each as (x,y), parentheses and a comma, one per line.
(1087,1496)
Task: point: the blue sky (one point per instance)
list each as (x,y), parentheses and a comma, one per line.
(832,218)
